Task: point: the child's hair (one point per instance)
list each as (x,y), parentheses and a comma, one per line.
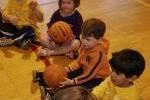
(93,27)
(73,93)
(128,62)
(76,3)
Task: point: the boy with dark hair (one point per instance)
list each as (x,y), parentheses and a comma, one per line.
(127,66)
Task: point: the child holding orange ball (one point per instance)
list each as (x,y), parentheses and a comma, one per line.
(68,13)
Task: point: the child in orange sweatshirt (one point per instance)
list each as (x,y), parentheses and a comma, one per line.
(92,66)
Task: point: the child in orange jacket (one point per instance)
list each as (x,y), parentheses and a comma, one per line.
(92,66)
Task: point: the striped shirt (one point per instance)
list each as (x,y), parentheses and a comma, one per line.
(94,62)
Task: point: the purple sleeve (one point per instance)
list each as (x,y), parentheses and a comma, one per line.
(78,24)
(52,20)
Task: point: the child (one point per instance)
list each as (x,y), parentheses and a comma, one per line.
(61,39)
(20,18)
(127,66)
(73,93)
(67,12)
(92,66)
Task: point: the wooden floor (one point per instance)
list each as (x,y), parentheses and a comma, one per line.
(128,26)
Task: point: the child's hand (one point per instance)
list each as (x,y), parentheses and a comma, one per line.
(44,52)
(53,45)
(67,82)
(33,4)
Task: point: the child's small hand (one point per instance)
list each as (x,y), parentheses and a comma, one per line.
(53,45)
(33,4)
(67,82)
(44,52)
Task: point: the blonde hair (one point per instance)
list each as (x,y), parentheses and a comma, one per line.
(73,93)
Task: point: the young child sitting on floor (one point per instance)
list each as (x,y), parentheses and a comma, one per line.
(68,13)
(20,18)
(61,39)
(127,66)
(91,66)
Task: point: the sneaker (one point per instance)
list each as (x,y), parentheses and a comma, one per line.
(24,44)
(35,77)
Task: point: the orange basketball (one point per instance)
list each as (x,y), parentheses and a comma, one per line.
(53,75)
(60,32)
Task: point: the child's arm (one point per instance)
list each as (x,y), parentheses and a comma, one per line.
(93,66)
(61,50)
(100,91)
(89,72)
(36,11)
(75,65)
(72,67)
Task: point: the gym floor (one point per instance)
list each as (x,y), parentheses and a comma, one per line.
(128,26)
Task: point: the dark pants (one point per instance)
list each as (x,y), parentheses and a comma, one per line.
(9,30)
(89,84)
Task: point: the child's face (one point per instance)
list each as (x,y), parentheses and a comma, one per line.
(67,6)
(119,79)
(89,42)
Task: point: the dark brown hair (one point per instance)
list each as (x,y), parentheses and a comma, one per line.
(73,93)
(76,3)
(129,62)
(93,27)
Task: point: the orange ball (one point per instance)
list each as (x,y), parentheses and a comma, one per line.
(53,75)
(60,32)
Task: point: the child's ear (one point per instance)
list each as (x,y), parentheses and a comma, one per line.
(132,78)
